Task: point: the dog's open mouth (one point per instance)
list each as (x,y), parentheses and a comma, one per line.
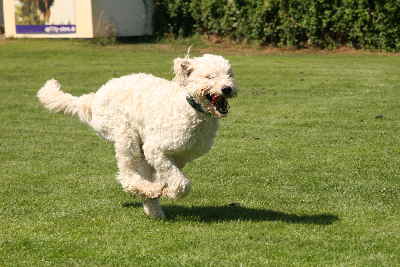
(219,102)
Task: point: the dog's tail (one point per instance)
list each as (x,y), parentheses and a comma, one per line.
(52,98)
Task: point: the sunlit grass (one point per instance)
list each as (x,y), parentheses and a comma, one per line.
(304,171)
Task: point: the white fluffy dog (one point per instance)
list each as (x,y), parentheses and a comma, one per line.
(156,125)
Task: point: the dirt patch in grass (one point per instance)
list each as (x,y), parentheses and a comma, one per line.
(227,45)
(247,50)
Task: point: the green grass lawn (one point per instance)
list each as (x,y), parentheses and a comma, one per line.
(304,171)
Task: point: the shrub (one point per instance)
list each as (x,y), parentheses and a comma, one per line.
(371,24)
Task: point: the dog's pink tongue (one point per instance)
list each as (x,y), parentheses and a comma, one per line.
(214,98)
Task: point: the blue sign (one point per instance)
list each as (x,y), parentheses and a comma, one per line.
(46,29)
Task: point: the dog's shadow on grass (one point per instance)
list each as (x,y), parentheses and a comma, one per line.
(236,212)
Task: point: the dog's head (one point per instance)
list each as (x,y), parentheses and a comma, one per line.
(207,79)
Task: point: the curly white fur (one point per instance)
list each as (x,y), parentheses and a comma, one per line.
(154,129)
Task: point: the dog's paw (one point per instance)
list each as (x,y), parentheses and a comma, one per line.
(147,190)
(153,190)
(153,209)
(178,190)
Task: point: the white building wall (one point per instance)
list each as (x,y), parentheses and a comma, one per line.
(127,17)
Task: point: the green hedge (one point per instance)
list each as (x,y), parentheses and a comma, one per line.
(301,23)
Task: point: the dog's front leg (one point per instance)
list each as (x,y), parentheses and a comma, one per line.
(176,184)
(134,171)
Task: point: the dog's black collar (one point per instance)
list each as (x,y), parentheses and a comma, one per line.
(197,106)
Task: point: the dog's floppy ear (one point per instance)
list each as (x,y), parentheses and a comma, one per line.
(182,69)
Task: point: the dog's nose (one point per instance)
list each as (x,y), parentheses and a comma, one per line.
(227,90)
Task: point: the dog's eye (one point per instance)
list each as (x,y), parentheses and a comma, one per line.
(210,76)
(230,74)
